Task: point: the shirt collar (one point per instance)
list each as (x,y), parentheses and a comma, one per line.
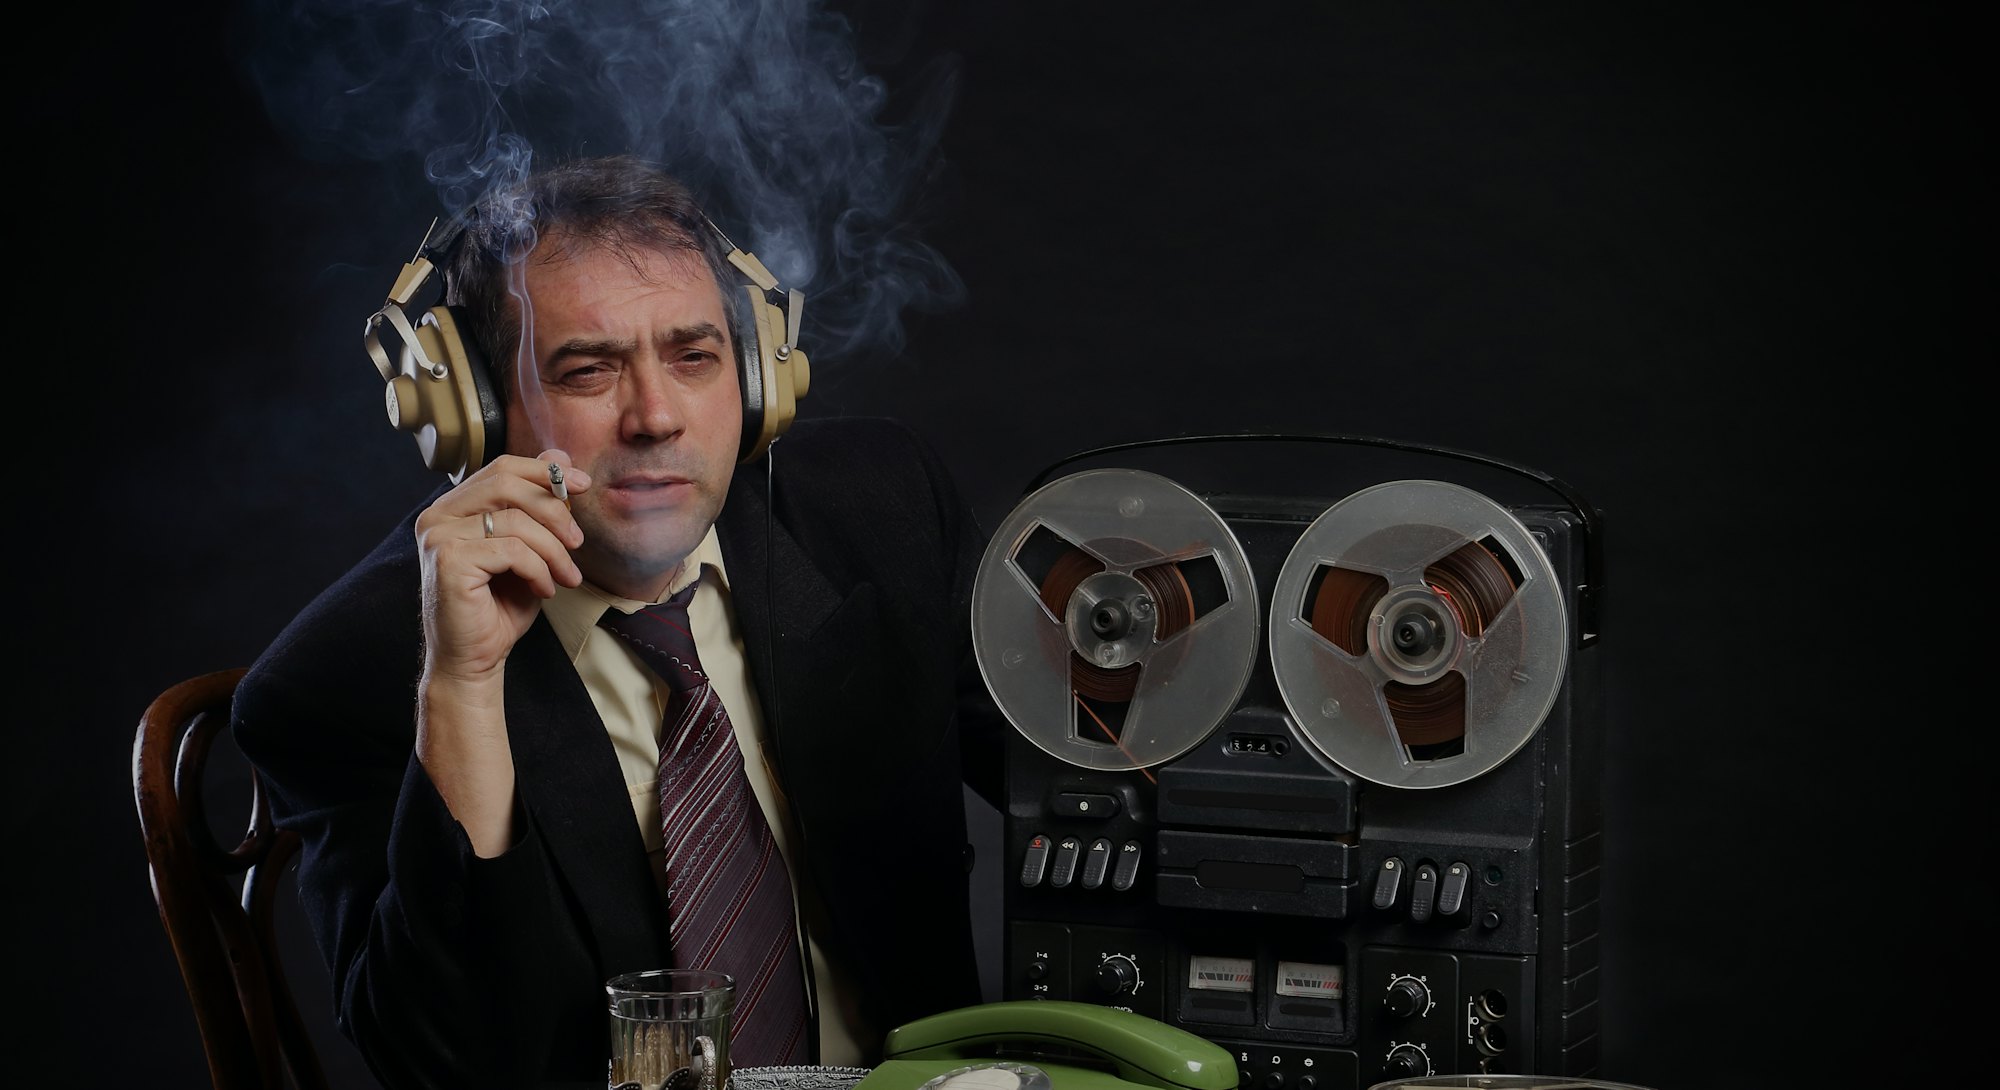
(574,611)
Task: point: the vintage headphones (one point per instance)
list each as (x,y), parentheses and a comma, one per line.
(441,389)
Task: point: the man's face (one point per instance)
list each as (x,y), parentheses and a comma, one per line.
(632,373)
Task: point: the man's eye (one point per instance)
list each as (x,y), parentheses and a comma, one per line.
(584,375)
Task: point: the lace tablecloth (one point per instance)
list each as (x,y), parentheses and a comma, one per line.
(795,1078)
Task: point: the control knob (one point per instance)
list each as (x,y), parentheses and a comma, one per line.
(1407,1061)
(1407,996)
(1117,974)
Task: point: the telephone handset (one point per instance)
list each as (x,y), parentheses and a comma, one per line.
(1140,1050)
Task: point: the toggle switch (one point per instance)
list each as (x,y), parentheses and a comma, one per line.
(1388,883)
(1451,892)
(1423,892)
(1127,870)
(1067,850)
(1036,862)
(1072,804)
(1095,862)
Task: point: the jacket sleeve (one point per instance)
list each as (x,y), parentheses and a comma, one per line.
(438,965)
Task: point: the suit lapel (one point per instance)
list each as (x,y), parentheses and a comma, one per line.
(569,781)
(778,595)
(810,645)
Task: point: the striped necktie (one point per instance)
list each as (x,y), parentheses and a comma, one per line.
(729,898)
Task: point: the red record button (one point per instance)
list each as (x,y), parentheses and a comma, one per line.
(1036,862)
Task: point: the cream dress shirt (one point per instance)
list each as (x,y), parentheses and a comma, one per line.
(632,701)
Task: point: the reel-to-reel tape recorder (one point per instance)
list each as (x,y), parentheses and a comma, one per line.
(1312,777)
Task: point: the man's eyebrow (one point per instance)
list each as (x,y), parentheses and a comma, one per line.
(672,338)
(578,346)
(683,335)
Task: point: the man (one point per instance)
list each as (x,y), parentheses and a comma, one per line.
(469,741)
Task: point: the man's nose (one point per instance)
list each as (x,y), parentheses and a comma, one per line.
(652,409)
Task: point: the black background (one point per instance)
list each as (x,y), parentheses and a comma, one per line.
(1708,267)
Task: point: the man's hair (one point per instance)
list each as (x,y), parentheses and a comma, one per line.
(621,203)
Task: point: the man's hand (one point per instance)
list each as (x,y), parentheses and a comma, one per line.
(491,549)
(481,591)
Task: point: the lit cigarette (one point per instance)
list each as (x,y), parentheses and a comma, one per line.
(556,484)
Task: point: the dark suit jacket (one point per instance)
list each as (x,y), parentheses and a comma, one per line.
(457,971)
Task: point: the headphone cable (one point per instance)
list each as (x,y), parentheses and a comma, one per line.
(776,720)
(770,593)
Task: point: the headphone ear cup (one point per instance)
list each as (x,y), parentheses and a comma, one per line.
(444,395)
(751,370)
(772,385)
(487,434)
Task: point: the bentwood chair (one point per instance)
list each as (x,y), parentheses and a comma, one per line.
(223,938)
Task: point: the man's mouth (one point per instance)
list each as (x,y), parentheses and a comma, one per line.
(643,477)
(644,490)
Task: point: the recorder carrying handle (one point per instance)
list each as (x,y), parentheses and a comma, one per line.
(1589,595)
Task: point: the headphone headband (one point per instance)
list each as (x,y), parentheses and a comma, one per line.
(439,387)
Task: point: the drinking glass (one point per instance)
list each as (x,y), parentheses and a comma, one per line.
(670,1028)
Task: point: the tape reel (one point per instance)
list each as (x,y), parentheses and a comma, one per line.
(1114,619)
(1418,634)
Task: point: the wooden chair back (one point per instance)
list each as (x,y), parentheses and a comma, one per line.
(216,903)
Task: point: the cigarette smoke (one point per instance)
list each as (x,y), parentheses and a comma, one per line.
(761,106)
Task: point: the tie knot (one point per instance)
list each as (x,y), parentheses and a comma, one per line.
(662,638)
